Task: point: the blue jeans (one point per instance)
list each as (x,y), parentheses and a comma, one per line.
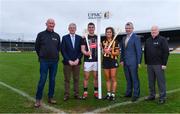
(45,66)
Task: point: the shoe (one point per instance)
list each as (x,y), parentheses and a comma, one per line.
(84,96)
(96,95)
(77,97)
(112,98)
(149,98)
(66,98)
(134,99)
(37,104)
(161,101)
(107,97)
(52,101)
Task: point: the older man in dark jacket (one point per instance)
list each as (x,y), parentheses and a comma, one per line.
(47,47)
(156,53)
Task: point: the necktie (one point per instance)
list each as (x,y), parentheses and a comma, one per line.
(73,40)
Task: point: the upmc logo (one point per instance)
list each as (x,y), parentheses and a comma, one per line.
(99,15)
(94,15)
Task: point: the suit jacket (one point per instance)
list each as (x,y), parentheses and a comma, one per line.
(132,53)
(67,50)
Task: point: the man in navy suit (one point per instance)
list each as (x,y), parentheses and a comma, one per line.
(71,52)
(131,53)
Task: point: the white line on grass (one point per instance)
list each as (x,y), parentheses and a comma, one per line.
(53,109)
(60,111)
(123,103)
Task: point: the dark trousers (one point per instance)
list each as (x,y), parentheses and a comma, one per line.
(133,85)
(156,72)
(45,67)
(68,72)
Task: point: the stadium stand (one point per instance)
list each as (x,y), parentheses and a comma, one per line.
(172,35)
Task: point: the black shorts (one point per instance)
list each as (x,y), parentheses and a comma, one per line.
(110,63)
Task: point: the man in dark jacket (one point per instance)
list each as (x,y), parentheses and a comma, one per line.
(156,54)
(47,47)
(71,52)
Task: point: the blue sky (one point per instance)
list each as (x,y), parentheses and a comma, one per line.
(25,18)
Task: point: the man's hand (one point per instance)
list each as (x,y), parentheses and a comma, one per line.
(139,65)
(88,53)
(163,67)
(71,62)
(76,62)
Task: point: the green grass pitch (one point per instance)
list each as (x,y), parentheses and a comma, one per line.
(21,71)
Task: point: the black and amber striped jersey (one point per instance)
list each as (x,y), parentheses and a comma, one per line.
(114,48)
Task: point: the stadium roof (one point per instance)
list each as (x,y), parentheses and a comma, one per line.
(161,30)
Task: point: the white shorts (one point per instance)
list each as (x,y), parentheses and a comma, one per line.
(90,66)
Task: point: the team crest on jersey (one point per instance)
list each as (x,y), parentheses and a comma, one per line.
(54,39)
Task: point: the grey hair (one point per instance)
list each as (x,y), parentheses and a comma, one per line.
(72,24)
(130,24)
(155,26)
(50,19)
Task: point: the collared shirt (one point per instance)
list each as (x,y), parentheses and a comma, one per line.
(127,39)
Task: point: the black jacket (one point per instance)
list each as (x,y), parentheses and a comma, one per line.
(156,51)
(47,45)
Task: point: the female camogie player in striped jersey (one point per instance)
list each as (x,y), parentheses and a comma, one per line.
(110,63)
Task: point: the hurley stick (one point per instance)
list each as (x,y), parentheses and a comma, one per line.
(119,30)
(86,37)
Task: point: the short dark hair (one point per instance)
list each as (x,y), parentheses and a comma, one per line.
(112,29)
(91,23)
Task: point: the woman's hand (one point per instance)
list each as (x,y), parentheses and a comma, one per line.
(107,51)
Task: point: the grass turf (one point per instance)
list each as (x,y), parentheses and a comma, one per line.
(21,70)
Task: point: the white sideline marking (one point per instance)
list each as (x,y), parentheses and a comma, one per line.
(53,109)
(123,103)
(30,98)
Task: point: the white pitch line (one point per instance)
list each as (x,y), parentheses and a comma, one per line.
(30,98)
(60,111)
(124,103)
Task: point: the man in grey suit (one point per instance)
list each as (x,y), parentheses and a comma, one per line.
(156,54)
(131,53)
